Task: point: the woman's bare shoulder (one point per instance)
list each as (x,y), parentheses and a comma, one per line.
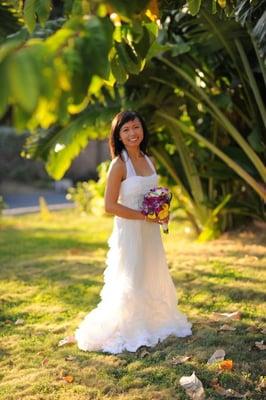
(117,166)
(117,163)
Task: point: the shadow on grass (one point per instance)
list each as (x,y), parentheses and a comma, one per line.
(51,266)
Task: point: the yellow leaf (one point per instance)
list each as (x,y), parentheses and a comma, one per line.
(152,11)
(222,3)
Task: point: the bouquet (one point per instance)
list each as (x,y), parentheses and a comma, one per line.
(156,204)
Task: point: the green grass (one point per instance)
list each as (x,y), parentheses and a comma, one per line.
(51,275)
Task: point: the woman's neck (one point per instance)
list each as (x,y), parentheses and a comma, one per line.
(134,154)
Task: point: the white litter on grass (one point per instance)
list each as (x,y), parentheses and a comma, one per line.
(218,355)
(193,387)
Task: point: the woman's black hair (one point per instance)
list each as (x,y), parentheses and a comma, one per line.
(115,144)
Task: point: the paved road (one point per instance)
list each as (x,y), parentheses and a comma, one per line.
(21,203)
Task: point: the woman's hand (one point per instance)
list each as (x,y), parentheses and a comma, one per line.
(157,220)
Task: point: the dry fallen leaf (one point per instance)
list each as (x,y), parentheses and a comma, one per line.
(65,341)
(252,329)
(58,330)
(45,361)
(40,353)
(263,331)
(193,387)
(225,316)
(180,359)
(226,365)
(19,321)
(70,358)
(262,384)
(218,355)
(226,327)
(228,392)
(68,378)
(260,345)
(8,322)
(75,251)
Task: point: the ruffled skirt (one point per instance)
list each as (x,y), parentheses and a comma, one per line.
(138,300)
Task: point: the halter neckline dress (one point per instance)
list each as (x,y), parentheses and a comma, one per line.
(138,303)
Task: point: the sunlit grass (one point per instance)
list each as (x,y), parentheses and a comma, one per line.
(51,276)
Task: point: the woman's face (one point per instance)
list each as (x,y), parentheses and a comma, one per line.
(131,133)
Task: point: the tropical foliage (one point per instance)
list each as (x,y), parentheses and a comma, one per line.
(194,69)
(89,196)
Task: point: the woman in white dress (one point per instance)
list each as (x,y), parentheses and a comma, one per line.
(138,300)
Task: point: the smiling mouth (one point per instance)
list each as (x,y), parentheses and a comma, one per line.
(133,140)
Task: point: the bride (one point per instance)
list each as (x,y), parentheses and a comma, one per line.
(138,300)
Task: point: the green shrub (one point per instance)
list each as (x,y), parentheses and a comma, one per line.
(2,205)
(89,195)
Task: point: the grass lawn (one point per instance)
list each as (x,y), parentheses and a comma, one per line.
(51,275)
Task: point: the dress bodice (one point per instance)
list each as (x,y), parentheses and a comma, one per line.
(134,187)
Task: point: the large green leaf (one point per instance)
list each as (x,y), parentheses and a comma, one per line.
(12,43)
(34,9)
(128,58)
(191,173)
(252,80)
(143,45)
(43,9)
(23,80)
(118,69)
(221,117)
(69,141)
(129,7)
(98,38)
(194,6)
(30,14)
(256,141)
(4,92)
(183,196)
(257,186)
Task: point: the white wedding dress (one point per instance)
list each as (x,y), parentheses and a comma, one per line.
(138,300)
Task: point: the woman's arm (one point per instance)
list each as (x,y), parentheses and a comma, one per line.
(115,176)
